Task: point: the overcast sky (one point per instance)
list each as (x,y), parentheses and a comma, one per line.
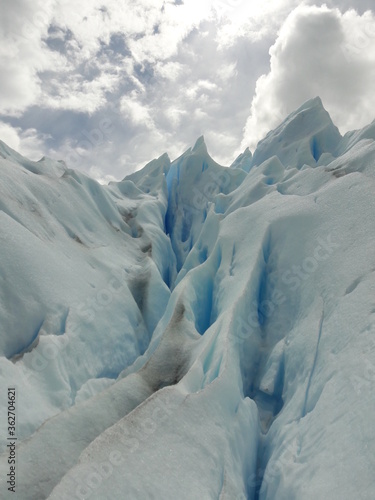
(108,85)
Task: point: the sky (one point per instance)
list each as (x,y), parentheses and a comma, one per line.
(109,85)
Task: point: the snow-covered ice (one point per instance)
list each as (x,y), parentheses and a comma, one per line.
(194,331)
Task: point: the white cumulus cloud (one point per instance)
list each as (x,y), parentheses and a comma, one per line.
(319,51)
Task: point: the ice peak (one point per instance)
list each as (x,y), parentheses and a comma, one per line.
(301,138)
(313,115)
(315,102)
(154,167)
(200,145)
(243,161)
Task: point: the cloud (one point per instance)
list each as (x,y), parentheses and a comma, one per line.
(165,72)
(136,112)
(319,51)
(10,136)
(200,90)
(61,55)
(29,142)
(255,20)
(22,56)
(157,68)
(169,70)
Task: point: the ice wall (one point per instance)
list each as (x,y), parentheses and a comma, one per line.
(195,331)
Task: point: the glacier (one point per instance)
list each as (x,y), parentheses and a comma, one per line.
(194,331)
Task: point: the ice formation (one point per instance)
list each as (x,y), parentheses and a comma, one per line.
(194,331)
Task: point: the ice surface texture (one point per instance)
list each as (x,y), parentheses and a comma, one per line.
(194,331)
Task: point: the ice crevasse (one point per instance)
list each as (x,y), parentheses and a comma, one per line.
(194,331)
